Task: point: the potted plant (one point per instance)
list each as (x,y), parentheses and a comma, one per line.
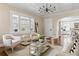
(41,38)
(35,37)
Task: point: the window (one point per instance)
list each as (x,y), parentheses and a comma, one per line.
(21,24)
(25,24)
(15,23)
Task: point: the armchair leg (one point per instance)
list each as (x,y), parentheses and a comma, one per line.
(12,49)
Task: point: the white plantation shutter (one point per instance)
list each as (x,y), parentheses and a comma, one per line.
(21,24)
(15,23)
(25,24)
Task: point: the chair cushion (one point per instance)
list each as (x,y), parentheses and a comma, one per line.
(16,39)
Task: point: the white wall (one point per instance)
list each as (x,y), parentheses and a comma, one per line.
(4,19)
(48,27)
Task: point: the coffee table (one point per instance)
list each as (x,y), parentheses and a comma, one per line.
(38,48)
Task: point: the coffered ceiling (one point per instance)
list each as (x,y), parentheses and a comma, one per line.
(34,7)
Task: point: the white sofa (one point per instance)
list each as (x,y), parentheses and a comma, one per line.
(11,41)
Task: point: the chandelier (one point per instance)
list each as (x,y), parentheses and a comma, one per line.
(47,8)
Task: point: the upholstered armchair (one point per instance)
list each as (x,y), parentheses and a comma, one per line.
(11,41)
(34,36)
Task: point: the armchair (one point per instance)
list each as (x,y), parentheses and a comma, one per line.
(11,41)
(34,36)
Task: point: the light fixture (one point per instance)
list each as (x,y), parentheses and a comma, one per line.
(47,8)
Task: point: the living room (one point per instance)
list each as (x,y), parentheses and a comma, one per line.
(38,29)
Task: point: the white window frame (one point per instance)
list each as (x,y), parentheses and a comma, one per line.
(31,19)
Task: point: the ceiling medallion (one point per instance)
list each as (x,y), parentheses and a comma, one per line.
(47,8)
